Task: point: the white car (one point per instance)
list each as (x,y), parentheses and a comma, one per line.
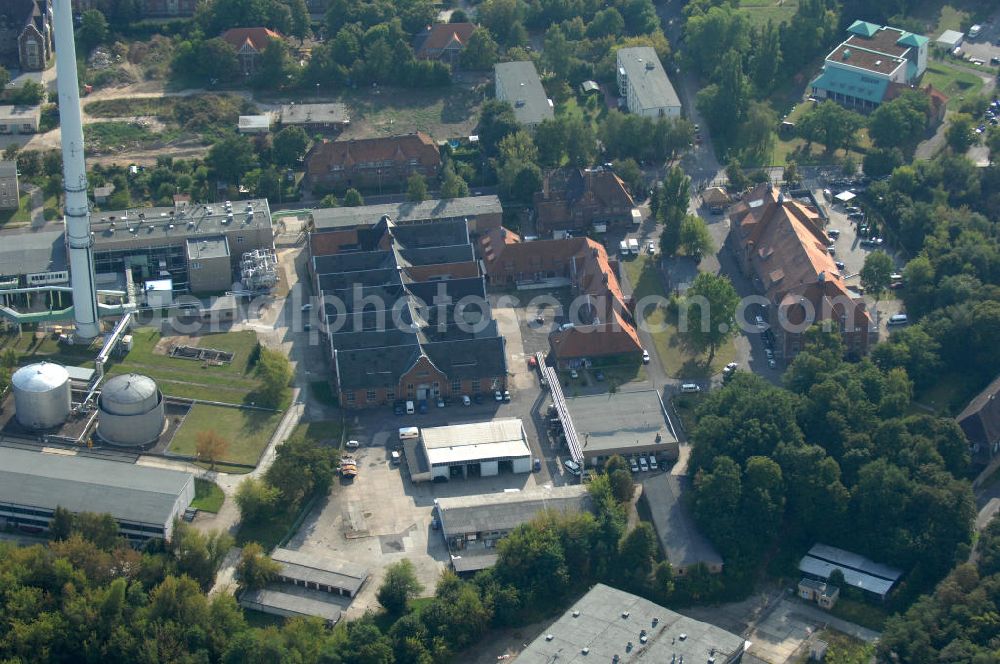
(651,247)
(353,444)
(730,368)
(772,364)
(634,465)
(645,357)
(652,463)
(688,388)
(498,395)
(643,464)
(573,373)
(466,401)
(572,466)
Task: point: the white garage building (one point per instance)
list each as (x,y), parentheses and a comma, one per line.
(480,448)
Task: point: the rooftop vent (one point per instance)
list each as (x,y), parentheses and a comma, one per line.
(847,54)
(624,614)
(576,614)
(650,65)
(585,651)
(656,621)
(519,103)
(549,637)
(878,63)
(683,636)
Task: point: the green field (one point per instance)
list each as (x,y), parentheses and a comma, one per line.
(208,497)
(677,360)
(19,217)
(953,82)
(761,11)
(247,431)
(325,431)
(231,383)
(35,347)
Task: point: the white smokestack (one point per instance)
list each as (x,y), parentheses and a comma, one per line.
(81,255)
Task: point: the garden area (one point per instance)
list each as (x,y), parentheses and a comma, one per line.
(246,432)
(208,497)
(677,359)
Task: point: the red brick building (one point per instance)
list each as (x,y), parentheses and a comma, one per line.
(605,325)
(249,44)
(780,244)
(372,163)
(578,199)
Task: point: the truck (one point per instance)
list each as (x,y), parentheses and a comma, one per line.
(633,246)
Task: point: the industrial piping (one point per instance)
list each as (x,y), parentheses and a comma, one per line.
(78,235)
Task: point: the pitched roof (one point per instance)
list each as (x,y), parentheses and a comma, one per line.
(980,420)
(518,84)
(396,149)
(507,510)
(256,37)
(319,569)
(443,35)
(564,188)
(647,78)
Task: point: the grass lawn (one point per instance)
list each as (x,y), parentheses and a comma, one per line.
(843,649)
(19,217)
(678,361)
(761,11)
(208,497)
(794,149)
(32,347)
(861,613)
(953,82)
(261,620)
(325,431)
(247,431)
(230,383)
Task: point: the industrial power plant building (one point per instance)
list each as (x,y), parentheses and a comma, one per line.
(143,500)
(476,449)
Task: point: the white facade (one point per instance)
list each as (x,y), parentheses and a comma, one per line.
(643,83)
(481,448)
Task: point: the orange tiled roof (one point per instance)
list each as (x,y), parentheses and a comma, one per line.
(258,37)
(441,35)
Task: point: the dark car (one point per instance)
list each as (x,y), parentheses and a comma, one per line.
(478,398)
(440,479)
(422,406)
(398,407)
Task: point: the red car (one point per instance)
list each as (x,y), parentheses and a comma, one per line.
(532,361)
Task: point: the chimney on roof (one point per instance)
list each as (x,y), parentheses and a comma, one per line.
(847,54)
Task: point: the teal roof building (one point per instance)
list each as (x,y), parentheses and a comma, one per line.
(861,70)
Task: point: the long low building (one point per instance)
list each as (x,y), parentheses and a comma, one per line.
(483,213)
(859,572)
(472,525)
(624,423)
(316,572)
(460,450)
(611,625)
(143,500)
(291,603)
(683,545)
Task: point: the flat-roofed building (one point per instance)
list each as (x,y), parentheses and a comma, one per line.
(153,242)
(859,572)
(473,525)
(484,213)
(318,572)
(254,124)
(478,448)
(33,258)
(315,116)
(518,84)
(644,84)
(683,545)
(10,199)
(209,265)
(19,119)
(628,424)
(599,627)
(143,500)
(291,602)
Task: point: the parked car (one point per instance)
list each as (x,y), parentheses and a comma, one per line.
(440,402)
(537,465)
(532,361)
(643,464)
(573,373)
(398,408)
(599,375)
(652,463)
(423,407)
(409,408)
(506,396)
(645,357)
(771,363)
(353,444)
(840,265)
(478,398)
(651,247)
(572,466)
(688,388)
(730,368)
(634,465)
(833,232)
(498,395)
(466,401)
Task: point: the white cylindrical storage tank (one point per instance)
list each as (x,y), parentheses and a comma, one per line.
(130,411)
(42,397)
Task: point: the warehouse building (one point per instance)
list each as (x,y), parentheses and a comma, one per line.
(290,603)
(143,500)
(859,572)
(191,245)
(683,545)
(316,572)
(629,424)
(468,450)
(611,625)
(33,258)
(473,525)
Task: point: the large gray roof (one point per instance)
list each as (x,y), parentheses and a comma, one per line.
(8,168)
(292,600)
(859,572)
(607,620)
(408,212)
(647,77)
(32,252)
(315,114)
(191,221)
(505,511)
(518,84)
(614,422)
(128,492)
(682,543)
(320,570)
(216,246)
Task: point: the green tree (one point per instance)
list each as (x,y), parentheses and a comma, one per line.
(255,569)
(496,121)
(694,237)
(831,124)
(300,20)
(416,188)
(302,467)
(763,498)
(4,77)
(712,299)
(399,586)
(257,500)
(230,158)
(481,52)
(352,198)
(503,19)
(100,529)
(636,555)
(61,526)
(901,122)
(329,201)
(960,134)
(765,61)
(93,29)
(289,145)
(275,373)
(674,197)
(199,554)
(875,274)
(452,184)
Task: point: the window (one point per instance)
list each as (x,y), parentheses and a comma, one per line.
(370,396)
(195,265)
(456,386)
(475,385)
(436,386)
(350,396)
(390,393)
(409,389)
(239,239)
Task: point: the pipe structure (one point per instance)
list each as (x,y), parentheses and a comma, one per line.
(78,236)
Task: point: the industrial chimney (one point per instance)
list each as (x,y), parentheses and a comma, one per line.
(78,236)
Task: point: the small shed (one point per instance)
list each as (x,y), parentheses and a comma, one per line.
(715,197)
(950,39)
(102,194)
(255,124)
(590,87)
(845,196)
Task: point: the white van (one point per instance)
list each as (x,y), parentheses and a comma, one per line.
(410,408)
(898,319)
(974,31)
(408,433)
(687,388)
(623,248)
(633,247)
